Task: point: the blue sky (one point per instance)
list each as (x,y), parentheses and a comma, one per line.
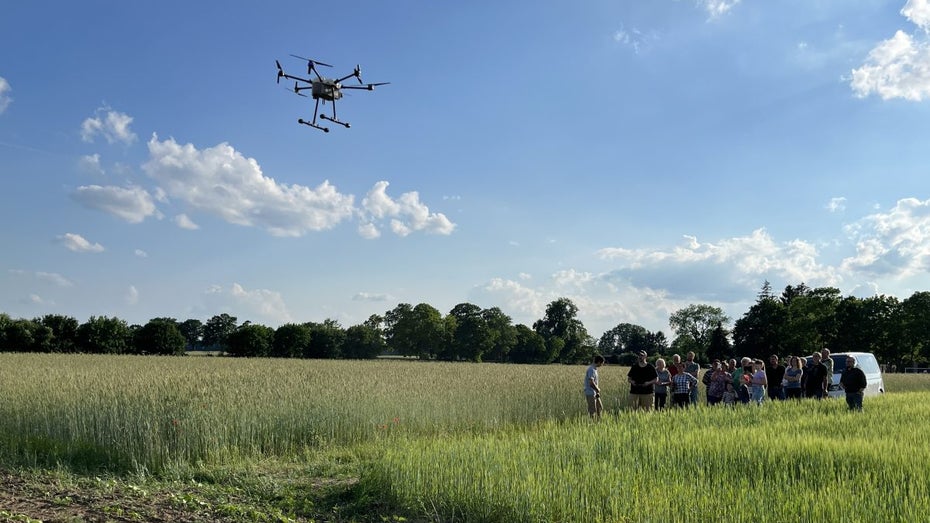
(635,157)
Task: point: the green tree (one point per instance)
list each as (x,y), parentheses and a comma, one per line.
(720,348)
(291,340)
(160,336)
(530,347)
(694,324)
(64,332)
(103,335)
(758,333)
(250,340)
(363,342)
(915,315)
(471,337)
(562,330)
(217,329)
(503,334)
(625,337)
(326,339)
(416,331)
(192,330)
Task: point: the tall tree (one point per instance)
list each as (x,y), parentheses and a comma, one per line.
(416,331)
(64,332)
(159,336)
(471,336)
(562,330)
(694,324)
(217,329)
(363,342)
(192,330)
(103,335)
(530,347)
(326,339)
(291,340)
(503,334)
(250,340)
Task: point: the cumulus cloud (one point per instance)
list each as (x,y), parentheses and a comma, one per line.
(5,99)
(895,243)
(222,182)
(369,231)
(91,164)
(184,222)
(112,125)
(132,204)
(900,66)
(407,214)
(836,204)
(918,12)
(264,304)
(77,243)
(747,260)
(140,253)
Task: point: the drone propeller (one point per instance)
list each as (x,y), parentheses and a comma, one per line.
(358,74)
(297,90)
(366,87)
(280,71)
(311,64)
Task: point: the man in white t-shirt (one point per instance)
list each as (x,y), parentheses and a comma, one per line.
(592,391)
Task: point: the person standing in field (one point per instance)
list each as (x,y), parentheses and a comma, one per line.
(729,397)
(793,375)
(828,363)
(693,368)
(673,368)
(853,382)
(592,389)
(741,377)
(815,385)
(683,383)
(718,384)
(758,381)
(663,380)
(642,378)
(774,375)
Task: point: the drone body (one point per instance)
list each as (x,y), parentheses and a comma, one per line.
(325,89)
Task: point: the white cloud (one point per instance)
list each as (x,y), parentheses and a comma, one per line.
(718,8)
(896,68)
(369,231)
(895,243)
(140,253)
(184,222)
(407,213)
(36,299)
(222,182)
(836,204)
(112,125)
(367,296)
(525,276)
(918,12)
(91,164)
(5,99)
(256,305)
(701,269)
(132,295)
(133,204)
(77,243)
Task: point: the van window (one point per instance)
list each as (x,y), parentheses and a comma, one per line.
(868,364)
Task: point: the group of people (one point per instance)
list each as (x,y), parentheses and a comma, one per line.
(752,381)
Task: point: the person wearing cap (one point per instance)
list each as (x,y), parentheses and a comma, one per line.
(592,390)
(642,377)
(853,382)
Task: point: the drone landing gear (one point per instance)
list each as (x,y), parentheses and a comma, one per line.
(311,124)
(334,120)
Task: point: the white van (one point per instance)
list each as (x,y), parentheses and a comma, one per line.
(865,361)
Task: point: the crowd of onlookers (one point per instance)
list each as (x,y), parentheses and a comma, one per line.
(728,382)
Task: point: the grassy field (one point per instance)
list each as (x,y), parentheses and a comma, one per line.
(208,439)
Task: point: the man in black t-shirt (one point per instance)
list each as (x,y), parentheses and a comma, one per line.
(815,386)
(642,377)
(774,374)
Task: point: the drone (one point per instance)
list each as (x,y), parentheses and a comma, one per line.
(325,89)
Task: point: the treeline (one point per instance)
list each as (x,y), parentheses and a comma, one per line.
(798,321)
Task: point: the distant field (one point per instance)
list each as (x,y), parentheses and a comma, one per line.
(472,442)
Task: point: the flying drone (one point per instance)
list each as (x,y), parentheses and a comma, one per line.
(325,89)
